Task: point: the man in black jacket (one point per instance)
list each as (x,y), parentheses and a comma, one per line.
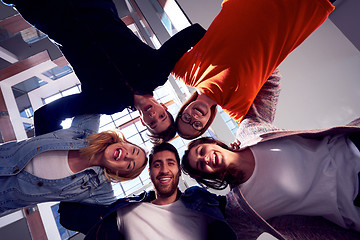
(165,213)
(116,69)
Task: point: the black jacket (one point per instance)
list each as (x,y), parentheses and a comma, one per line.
(99,222)
(110,61)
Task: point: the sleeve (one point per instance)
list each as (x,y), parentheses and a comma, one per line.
(264,106)
(259,119)
(49,117)
(159,68)
(80,217)
(87,122)
(181,42)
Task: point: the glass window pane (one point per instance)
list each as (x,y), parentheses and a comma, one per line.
(66,123)
(136,139)
(58,72)
(105,119)
(52,98)
(106,127)
(27,86)
(140,127)
(129,131)
(71,91)
(122,120)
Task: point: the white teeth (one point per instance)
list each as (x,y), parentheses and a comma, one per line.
(118,157)
(214,159)
(197,110)
(165,179)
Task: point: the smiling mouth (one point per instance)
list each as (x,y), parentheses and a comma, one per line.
(199,111)
(164,180)
(214,159)
(117,154)
(147,108)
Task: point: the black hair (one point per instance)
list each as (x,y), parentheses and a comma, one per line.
(166,135)
(163,147)
(217,181)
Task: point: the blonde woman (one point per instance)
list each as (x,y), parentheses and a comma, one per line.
(76,164)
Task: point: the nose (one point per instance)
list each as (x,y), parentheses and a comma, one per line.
(164,168)
(195,116)
(152,114)
(206,160)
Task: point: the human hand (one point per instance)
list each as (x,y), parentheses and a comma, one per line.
(235,145)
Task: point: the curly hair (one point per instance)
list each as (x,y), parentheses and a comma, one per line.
(217,181)
(98,142)
(192,98)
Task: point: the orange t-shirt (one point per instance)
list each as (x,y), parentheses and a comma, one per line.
(244,44)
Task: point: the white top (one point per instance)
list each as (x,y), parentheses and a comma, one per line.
(50,165)
(295,175)
(150,221)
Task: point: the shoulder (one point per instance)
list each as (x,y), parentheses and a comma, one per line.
(196,193)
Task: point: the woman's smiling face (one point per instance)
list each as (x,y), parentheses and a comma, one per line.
(208,158)
(123,158)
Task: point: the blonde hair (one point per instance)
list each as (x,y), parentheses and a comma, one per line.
(98,142)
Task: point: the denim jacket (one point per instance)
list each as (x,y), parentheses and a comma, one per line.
(20,188)
(99,222)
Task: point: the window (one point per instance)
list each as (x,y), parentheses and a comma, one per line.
(31,35)
(27,86)
(64,233)
(233,126)
(58,72)
(21,91)
(73,90)
(165,20)
(29,129)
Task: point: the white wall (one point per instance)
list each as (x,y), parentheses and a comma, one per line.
(201,11)
(321,78)
(321,82)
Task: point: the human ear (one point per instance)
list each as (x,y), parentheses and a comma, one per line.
(142,122)
(164,106)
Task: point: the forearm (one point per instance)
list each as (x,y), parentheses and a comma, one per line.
(182,41)
(49,117)
(80,217)
(264,106)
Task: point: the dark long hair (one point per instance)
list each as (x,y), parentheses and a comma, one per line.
(217,181)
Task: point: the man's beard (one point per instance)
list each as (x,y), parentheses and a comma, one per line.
(168,190)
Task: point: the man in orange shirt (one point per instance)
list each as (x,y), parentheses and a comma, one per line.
(244,44)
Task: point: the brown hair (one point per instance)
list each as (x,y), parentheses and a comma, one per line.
(98,142)
(164,136)
(213,180)
(163,147)
(192,98)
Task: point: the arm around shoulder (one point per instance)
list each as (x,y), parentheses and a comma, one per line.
(263,108)
(80,217)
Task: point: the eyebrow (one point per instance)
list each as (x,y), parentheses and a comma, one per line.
(197,152)
(133,165)
(170,160)
(166,116)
